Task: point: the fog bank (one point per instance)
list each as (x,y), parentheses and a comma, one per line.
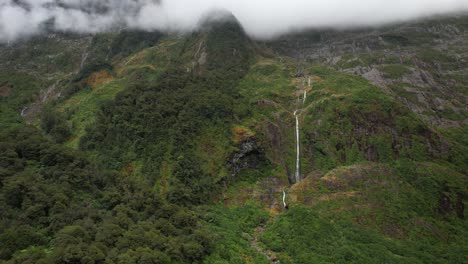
(260,18)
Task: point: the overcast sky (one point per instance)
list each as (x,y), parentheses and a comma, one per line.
(260,18)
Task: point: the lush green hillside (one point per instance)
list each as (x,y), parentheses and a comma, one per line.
(381,185)
(151,148)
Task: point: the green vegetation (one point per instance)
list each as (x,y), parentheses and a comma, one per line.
(395,39)
(82,107)
(20,88)
(267,80)
(55,124)
(404,213)
(431,55)
(128,42)
(74,212)
(357,120)
(302,236)
(92,68)
(170,149)
(394,71)
(232,228)
(39,63)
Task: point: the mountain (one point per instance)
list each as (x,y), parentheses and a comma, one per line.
(145,147)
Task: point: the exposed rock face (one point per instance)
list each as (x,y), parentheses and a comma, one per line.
(276,143)
(249,155)
(421,64)
(374,76)
(32,111)
(447,206)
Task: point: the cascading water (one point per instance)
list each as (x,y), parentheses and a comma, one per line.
(298,176)
(296,116)
(84,57)
(284,199)
(23,111)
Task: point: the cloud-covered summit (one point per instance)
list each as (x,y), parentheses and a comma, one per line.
(260,18)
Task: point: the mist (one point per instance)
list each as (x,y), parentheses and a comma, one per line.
(262,19)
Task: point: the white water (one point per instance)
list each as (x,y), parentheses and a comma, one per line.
(298,157)
(83,59)
(284,199)
(298,176)
(23,111)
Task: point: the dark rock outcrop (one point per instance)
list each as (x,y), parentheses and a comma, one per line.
(249,155)
(447,206)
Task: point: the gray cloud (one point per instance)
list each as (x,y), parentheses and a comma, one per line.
(260,18)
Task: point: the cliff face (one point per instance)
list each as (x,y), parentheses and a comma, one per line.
(421,63)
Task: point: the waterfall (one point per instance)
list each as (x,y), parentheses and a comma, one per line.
(84,56)
(23,111)
(298,176)
(284,199)
(296,116)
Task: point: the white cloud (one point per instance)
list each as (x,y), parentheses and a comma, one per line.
(260,18)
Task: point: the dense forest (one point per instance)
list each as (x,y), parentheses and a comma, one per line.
(61,207)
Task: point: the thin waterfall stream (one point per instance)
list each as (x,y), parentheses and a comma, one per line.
(84,57)
(298,155)
(284,200)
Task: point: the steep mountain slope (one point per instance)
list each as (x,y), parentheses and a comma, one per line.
(404,204)
(152,148)
(421,63)
(157,125)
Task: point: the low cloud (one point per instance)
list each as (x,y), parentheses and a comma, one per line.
(260,18)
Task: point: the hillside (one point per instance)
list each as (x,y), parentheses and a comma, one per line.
(138,147)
